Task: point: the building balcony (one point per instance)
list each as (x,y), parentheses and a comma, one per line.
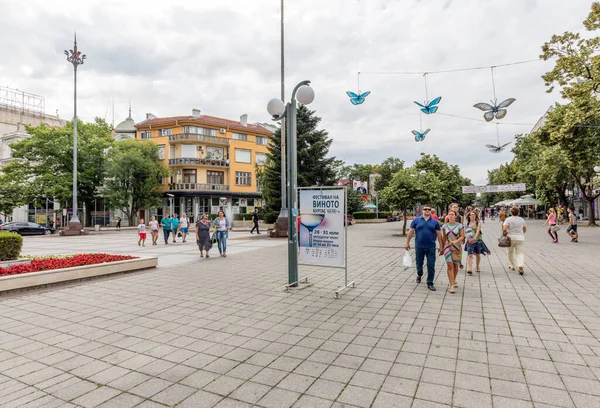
(190,161)
(198,187)
(194,137)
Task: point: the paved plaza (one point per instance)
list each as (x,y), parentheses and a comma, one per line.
(221,332)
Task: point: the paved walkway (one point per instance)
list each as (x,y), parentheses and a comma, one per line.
(221,333)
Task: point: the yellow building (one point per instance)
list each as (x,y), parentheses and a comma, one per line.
(213,162)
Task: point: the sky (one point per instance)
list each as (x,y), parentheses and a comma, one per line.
(223,57)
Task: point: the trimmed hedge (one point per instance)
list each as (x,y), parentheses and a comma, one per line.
(10,246)
(364,215)
(241,216)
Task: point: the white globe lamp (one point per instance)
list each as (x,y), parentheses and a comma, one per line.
(275,107)
(305,95)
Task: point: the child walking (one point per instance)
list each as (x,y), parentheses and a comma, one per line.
(142,233)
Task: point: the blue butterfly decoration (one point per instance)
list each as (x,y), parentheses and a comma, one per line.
(357,99)
(430,107)
(419,137)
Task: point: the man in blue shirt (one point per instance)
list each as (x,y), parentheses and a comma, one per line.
(166,226)
(427,231)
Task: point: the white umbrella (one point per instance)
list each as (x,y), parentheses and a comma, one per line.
(501,203)
(526,200)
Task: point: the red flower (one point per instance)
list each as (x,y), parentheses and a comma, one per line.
(47,264)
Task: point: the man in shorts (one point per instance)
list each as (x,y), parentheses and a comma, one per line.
(184,223)
(572,228)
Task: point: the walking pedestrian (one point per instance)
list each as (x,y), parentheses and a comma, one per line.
(175,227)
(153,229)
(255,221)
(475,245)
(142,233)
(552,227)
(165,223)
(203,235)
(572,228)
(515,227)
(118,223)
(184,223)
(454,207)
(222,225)
(426,231)
(483,216)
(453,235)
(502,215)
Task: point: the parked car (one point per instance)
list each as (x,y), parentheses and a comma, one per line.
(349,219)
(26,228)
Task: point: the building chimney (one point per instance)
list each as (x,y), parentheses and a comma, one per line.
(244,120)
(150,116)
(196,113)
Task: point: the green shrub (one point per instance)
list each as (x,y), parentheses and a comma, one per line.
(384,214)
(363,215)
(10,246)
(241,216)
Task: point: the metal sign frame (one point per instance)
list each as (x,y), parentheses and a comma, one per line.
(347,284)
(493,188)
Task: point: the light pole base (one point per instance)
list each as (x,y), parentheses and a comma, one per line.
(74,228)
(281,225)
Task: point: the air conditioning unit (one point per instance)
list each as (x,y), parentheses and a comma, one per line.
(200,148)
(222,130)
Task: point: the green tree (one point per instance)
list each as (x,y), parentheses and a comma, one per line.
(361,172)
(12,194)
(134,173)
(355,202)
(341,169)
(573,126)
(451,181)
(386,170)
(44,162)
(314,167)
(410,186)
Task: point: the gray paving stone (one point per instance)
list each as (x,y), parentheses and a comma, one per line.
(358,396)
(96,397)
(174,394)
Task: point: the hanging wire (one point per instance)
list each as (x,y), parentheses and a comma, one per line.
(497,135)
(481,120)
(493,84)
(450,70)
(358,82)
(426,94)
(421,120)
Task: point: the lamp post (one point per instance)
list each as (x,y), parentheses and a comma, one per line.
(283,214)
(75,57)
(279,111)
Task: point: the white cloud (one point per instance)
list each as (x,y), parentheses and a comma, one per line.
(168,57)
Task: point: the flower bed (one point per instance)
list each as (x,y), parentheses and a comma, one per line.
(50,263)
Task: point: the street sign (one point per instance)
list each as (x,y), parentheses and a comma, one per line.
(501,188)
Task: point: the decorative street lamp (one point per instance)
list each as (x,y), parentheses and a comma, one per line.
(75,57)
(279,111)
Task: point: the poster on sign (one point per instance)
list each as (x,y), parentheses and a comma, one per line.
(322,238)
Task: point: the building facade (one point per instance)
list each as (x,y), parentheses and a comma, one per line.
(214,163)
(17,109)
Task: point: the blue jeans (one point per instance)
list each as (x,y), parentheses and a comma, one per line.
(166,233)
(420,254)
(222,241)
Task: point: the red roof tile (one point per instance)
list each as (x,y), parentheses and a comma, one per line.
(206,120)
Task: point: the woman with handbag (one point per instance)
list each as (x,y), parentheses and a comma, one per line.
(514,228)
(221,223)
(453,235)
(552,227)
(203,235)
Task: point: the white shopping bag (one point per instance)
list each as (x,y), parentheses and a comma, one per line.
(407,260)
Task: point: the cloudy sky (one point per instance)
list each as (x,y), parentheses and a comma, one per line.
(223,57)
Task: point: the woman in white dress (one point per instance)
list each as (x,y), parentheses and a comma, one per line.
(515,227)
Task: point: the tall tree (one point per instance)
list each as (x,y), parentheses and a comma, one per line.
(573,126)
(134,173)
(386,170)
(44,162)
(361,171)
(315,168)
(450,177)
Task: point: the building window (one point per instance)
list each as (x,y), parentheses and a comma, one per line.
(240,136)
(171,151)
(189,175)
(262,140)
(243,178)
(243,156)
(209,132)
(214,153)
(215,177)
(161,152)
(188,150)
(261,159)
(145,134)
(165,132)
